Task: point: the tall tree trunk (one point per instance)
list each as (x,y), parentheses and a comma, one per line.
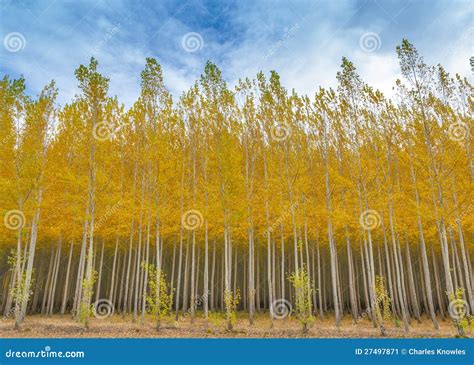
(66,281)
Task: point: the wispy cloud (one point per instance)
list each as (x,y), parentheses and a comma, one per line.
(303,40)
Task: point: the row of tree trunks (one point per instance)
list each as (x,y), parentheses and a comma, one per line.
(412,300)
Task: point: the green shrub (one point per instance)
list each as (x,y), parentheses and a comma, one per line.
(459,312)
(382,311)
(231,301)
(303,303)
(160,298)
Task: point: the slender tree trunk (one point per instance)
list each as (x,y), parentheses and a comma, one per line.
(66,281)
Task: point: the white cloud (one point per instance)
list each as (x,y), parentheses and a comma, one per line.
(303,41)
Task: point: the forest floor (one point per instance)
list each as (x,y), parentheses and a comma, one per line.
(58,326)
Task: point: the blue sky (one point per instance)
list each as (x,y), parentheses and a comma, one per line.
(302,40)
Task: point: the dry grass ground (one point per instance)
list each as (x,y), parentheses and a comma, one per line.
(117,327)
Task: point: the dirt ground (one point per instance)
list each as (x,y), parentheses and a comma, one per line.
(58,326)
